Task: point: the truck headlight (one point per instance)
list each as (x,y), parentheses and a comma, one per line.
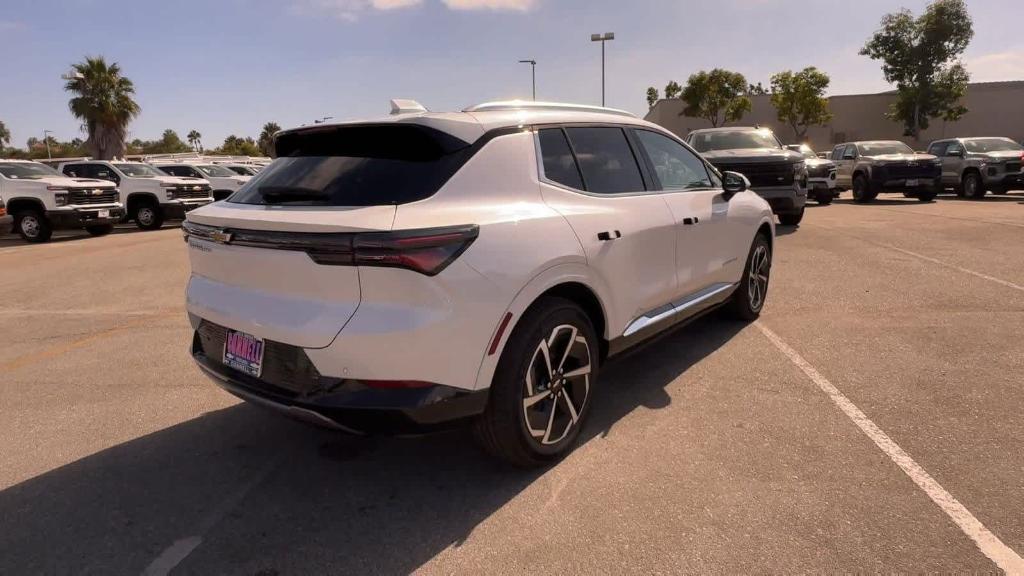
(60,195)
(171,193)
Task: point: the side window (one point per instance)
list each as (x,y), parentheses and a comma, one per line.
(850,153)
(837,152)
(76,171)
(190,171)
(675,166)
(102,172)
(606,160)
(954,148)
(172,170)
(559,164)
(937,148)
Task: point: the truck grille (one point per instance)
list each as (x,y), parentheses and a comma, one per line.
(1012,167)
(191,192)
(79,196)
(761,175)
(287,370)
(921,170)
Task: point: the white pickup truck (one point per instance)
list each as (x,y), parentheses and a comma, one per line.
(150,195)
(223,180)
(41,200)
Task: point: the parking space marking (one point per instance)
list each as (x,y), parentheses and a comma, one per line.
(974,273)
(903,211)
(177,552)
(1002,555)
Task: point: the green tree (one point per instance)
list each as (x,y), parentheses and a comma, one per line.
(756,90)
(673,89)
(5,135)
(652,96)
(195,140)
(717,96)
(235,146)
(919,55)
(266,141)
(102,100)
(799,99)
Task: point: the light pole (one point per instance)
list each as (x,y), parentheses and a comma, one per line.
(602,38)
(533,75)
(46,140)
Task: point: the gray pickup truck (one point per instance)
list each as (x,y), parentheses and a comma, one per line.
(776,174)
(870,167)
(973,166)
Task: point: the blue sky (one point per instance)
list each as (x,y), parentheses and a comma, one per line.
(227,66)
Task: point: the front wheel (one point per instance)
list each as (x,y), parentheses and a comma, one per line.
(32,226)
(792,218)
(862,192)
(149,216)
(973,186)
(540,395)
(825,198)
(752,290)
(100,229)
(926,196)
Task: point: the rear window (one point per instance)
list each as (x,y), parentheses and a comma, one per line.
(559,165)
(356,165)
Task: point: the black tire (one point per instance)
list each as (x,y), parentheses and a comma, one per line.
(926,195)
(862,192)
(973,186)
(32,226)
(792,218)
(999,191)
(743,305)
(148,215)
(504,429)
(825,198)
(100,229)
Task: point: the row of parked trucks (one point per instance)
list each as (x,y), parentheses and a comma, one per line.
(37,198)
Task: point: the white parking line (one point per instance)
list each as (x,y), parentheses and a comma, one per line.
(989,544)
(177,552)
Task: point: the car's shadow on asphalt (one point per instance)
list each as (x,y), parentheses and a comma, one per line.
(61,236)
(267,495)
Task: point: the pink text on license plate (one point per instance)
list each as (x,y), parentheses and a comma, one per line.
(244,352)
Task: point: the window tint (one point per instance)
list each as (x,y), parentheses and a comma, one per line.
(676,167)
(76,171)
(837,152)
(356,165)
(954,147)
(851,152)
(606,160)
(938,148)
(559,164)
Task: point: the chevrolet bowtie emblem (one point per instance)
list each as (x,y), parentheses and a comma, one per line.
(221,236)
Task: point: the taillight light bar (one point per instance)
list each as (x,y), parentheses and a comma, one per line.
(424,250)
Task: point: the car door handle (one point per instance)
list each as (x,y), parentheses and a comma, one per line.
(691,221)
(605,236)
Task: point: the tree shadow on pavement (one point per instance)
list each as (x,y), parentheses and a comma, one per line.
(254,493)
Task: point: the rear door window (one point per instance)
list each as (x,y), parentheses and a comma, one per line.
(356,165)
(606,160)
(559,163)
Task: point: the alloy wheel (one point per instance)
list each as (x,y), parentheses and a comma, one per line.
(557,385)
(757,282)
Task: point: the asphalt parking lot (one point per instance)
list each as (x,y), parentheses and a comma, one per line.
(721,447)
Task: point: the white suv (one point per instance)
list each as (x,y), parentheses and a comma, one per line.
(41,200)
(223,180)
(432,268)
(149,195)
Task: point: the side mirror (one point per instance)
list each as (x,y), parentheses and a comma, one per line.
(733,183)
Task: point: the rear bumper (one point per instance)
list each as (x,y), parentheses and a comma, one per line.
(6,224)
(81,217)
(350,405)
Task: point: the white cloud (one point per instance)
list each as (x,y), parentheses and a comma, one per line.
(510,5)
(997,66)
(350,9)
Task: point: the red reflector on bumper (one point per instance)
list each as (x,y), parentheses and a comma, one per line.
(499,334)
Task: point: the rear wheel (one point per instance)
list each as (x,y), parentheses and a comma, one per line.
(541,392)
(32,226)
(926,195)
(749,297)
(792,218)
(148,215)
(100,229)
(973,186)
(862,192)
(825,198)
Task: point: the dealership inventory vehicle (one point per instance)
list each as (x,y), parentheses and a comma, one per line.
(973,166)
(428,269)
(777,174)
(149,195)
(41,200)
(868,168)
(243,169)
(6,220)
(821,175)
(223,180)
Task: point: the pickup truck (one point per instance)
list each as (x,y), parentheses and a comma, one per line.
(41,200)
(871,167)
(150,196)
(973,166)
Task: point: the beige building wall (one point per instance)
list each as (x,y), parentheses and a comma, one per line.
(994,109)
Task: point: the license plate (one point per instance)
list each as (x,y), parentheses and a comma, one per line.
(103,214)
(912,182)
(244,352)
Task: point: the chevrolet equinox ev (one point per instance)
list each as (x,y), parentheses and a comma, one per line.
(477,267)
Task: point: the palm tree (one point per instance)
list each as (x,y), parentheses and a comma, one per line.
(193,138)
(266,141)
(103,102)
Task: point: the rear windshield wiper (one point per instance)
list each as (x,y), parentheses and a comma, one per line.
(290,194)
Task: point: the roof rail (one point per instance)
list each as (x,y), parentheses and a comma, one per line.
(541,106)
